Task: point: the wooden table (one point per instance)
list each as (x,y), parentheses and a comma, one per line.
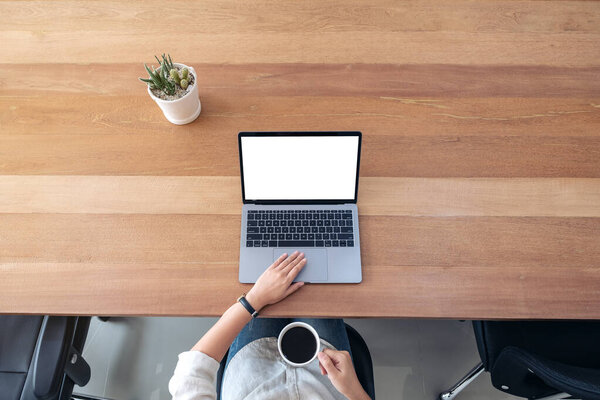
(480,175)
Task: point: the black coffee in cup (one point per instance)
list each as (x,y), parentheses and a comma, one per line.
(298,345)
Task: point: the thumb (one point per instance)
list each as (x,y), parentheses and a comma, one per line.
(326,362)
(293,288)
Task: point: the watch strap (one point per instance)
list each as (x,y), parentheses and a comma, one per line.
(243,301)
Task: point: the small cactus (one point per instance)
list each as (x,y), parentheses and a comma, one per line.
(159,79)
(175,75)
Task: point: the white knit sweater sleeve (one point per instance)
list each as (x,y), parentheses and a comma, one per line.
(195,377)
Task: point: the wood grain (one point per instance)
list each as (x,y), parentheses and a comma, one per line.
(500,242)
(356,35)
(190,153)
(225,16)
(480,171)
(404,290)
(562,197)
(384,115)
(323,80)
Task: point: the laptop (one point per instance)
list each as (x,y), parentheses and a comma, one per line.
(299,192)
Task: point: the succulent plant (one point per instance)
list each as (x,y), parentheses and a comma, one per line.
(159,78)
(175,75)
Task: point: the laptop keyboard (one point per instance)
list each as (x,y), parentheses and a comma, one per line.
(299,228)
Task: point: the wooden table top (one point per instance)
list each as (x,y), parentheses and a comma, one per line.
(479,194)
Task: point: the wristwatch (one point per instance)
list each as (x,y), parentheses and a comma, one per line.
(247,306)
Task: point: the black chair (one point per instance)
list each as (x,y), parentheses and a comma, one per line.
(40,357)
(360,356)
(538,359)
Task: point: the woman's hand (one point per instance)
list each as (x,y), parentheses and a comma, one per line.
(337,365)
(275,283)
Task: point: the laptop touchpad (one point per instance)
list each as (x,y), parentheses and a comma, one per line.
(315,269)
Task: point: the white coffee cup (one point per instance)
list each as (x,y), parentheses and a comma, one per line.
(303,325)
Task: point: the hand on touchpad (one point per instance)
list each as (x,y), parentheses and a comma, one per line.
(315,269)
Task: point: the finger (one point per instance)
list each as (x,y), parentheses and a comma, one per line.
(323,372)
(293,288)
(293,257)
(288,260)
(327,363)
(333,354)
(341,359)
(279,260)
(295,262)
(296,270)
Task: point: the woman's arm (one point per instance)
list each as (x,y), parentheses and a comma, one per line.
(274,285)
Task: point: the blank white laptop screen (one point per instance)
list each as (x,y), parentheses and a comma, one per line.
(299,167)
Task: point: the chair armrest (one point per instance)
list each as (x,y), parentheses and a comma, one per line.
(48,368)
(478,329)
(361,358)
(55,356)
(521,366)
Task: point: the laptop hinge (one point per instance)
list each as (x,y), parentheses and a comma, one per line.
(271,203)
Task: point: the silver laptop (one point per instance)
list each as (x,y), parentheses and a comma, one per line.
(299,191)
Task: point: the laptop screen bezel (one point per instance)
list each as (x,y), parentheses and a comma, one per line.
(296,134)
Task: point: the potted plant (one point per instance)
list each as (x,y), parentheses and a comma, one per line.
(174,88)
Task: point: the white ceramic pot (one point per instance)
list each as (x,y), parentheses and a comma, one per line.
(184,110)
